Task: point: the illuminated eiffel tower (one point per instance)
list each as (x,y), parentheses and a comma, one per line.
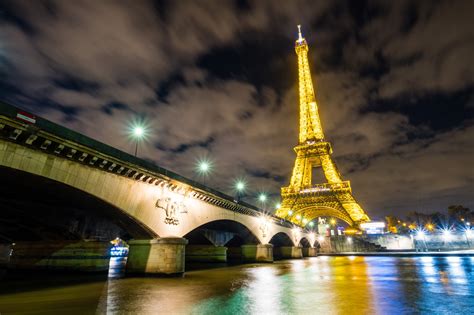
(303,200)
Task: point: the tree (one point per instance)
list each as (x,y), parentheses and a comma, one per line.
(392,224)
(459,213)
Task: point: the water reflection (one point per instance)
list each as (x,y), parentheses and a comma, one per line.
(326,285)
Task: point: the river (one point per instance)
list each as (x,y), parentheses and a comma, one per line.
(319,285)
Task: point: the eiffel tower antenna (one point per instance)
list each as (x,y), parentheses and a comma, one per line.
(303,200)
(300,38)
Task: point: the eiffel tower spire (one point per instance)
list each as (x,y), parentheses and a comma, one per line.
(310,124)
(303,200)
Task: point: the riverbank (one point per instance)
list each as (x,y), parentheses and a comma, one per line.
(461,253)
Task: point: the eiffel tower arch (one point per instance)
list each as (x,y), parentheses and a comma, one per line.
(303,200)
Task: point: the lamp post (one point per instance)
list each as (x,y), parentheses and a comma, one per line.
(239,187)
(204,167)
(468,233)
(138,133)
(262,197)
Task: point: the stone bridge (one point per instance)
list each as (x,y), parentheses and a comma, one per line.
(62,192)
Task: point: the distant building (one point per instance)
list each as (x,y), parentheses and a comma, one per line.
(373,227)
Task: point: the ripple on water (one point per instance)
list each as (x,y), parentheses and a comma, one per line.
(327,285)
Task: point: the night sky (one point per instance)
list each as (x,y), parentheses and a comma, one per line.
(394,82)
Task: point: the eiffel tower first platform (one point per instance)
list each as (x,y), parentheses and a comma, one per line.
(303,200)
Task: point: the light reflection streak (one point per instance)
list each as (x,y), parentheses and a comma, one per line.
(384,282)
(351,276)
(265,291)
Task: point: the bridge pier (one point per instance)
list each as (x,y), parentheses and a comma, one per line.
(310,251)
(206,253)
(5,251)
(288,252)
(157,256)
(257,253)
(61,255)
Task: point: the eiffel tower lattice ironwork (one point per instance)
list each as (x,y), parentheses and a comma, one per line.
(303,201)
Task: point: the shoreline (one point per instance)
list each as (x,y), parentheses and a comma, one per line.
(463,253)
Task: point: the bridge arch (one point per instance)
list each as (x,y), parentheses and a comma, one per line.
(222,233)
(305,242)
(37,208)
(281,239)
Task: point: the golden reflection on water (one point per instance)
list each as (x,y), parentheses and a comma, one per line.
(321,285)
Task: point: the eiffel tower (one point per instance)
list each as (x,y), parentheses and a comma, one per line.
(303,200)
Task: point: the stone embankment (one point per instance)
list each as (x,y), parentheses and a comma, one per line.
(435,242)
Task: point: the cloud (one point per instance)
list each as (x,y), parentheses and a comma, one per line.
(432,54)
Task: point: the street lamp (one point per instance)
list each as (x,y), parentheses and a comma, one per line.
(446,234)
(468,233)
(239,187)
(203,168)
(262,197)
(138,133)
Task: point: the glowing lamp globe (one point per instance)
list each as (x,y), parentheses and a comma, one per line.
(204,167)
(240,186)
(138,131)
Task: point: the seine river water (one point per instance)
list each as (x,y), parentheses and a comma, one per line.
(320,285)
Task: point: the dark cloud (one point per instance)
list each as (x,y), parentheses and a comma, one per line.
(217,79)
